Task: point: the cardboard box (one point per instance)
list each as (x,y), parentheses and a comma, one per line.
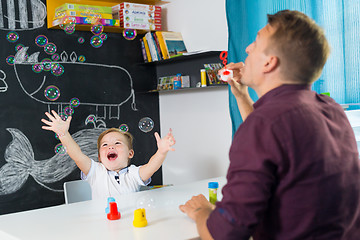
(127,19)
(136,6)
(142,26)
(77,13)
(88,21)
(82,7)
(136,13)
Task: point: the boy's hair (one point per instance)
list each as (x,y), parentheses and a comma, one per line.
(129,138)
(301,45)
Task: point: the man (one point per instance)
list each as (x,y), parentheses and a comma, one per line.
(294,168)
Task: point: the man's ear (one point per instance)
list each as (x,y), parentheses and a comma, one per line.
(271,64)
(131,153)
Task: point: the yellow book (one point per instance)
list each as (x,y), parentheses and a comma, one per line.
(147,50)
(162,45)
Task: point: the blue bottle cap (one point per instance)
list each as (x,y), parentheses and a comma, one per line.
(213,185)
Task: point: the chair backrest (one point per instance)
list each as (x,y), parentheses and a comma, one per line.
(77,191)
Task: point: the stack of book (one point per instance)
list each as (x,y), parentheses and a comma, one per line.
(161,45)
(137,16)
(85,14)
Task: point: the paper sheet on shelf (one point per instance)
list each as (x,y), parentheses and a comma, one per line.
(354,119)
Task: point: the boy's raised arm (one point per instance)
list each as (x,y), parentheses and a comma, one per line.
(164,146)
(61,128)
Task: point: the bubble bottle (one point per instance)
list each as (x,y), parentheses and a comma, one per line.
(213,186)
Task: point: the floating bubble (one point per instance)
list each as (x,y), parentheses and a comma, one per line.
(10,60)
(81,40)
(146,201)
(63,116)
(69,111)
(12,37)
(55,57)
(60,149)
(129,34)
(96,41)
(57,136)
(50,48)
(66,21)
(81,58)
(46,64)
(69,28)
(19,47)
(103,36)
(37,68)
(52,93)
(146,124)
(90,119)
(74,102)
(41,40)
(124,127)
(97,28)
(57,69)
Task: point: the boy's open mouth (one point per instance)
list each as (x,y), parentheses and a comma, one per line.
(112,156)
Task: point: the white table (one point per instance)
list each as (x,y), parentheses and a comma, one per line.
(87,220)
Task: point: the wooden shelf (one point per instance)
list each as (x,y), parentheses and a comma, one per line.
(51,5)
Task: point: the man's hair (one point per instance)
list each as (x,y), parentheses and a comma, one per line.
(301,45)
(128,136)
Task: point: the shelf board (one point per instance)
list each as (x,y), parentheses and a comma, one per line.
(211,87)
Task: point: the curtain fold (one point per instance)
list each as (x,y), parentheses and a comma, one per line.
(341,23)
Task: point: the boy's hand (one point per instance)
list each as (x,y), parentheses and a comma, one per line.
(56,124)
(165,144)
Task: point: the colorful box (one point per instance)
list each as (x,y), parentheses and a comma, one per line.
(82,7)
(89,21)
(142,26)
(77,13)
(136,13)
(136,6)
(126,19)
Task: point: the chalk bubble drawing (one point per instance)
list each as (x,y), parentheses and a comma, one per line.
(21,164)
(107,94)
(3,84)
(22,15)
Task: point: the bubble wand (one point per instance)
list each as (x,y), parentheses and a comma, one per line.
(224,73)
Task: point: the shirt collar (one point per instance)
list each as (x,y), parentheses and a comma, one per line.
(122,171)
(285,88)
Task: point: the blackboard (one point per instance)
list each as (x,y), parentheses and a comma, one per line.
(110,85)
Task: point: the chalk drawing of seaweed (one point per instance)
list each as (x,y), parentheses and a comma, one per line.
(22,15)
(21,164)
(3,84)
(107,94)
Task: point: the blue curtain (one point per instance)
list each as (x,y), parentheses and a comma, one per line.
(341,22)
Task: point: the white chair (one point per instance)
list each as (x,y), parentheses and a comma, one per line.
(77,191)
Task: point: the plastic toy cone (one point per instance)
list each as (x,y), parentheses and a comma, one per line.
(114,214)
(139,218)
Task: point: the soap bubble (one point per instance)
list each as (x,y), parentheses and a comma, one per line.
(67,21)
(129,34)
(60,149)
(97,28)
(63,116)
(10,60)
(69,111)
(69,28)
(145,201)
(96,41)
(81,58)
(57,69)
(37,68)
(46,64)
(90,119)
(12,37)
(81,40)
(124,127)
(146,124)
(52,93)
(41,40)
(55,57)
(19,47)
(103,36)
(50,48)
(74,102)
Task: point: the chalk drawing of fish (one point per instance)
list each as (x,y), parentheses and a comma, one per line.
(107,93)
(21,164)
(22,15)
(3,84)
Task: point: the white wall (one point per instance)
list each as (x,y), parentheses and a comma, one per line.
(200,117)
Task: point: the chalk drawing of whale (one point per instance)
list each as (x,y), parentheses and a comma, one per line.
(107,94)
(21,164)
(22,15)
